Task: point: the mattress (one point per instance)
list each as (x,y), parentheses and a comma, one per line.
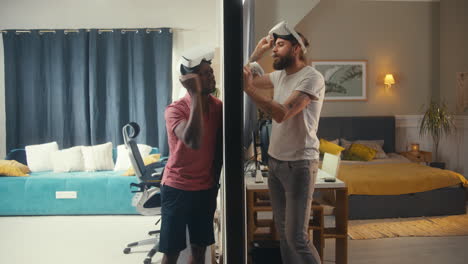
(444,201)
(396,178)
(103,192)
(449,200)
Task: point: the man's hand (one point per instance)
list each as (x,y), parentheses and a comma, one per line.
(192,83)
(248,81)
(263,46)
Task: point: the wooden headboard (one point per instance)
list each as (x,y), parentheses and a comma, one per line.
(362,127)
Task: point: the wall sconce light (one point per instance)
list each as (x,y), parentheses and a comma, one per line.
(414,147)
(389,80)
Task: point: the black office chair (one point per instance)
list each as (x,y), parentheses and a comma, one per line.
(264,127)
(147,195)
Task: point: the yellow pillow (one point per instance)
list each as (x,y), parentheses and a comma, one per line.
(329,147)
(360,152)
(147,160)
(13,168)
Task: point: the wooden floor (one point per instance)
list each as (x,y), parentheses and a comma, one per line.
(403,250)
(421,250)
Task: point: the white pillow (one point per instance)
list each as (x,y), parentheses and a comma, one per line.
(67,160)
(123,161)
(377,145)
(38,156)
(98,157)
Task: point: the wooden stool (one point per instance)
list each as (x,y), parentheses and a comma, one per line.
(316,224)
(263,228)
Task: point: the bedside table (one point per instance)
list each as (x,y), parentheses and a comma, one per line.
(419,156)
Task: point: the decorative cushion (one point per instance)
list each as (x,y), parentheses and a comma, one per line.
(377,145)
(123,161)
(148,160)
(98,157)
(67,160)
(17,154)
(13,168)
(38,156)
(330,147)
(359,152)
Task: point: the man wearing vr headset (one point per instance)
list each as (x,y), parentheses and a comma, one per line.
(294,147)
(190,181)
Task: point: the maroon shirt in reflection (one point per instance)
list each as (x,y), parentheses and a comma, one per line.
(189,169)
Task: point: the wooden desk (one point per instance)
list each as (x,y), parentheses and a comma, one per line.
(339,232)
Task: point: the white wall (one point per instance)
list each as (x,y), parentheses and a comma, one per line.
(270,12)
(453,49)
(453,149)
(368,30)
(195,23)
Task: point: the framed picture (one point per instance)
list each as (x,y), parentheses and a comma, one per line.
(462,91)
(344,80)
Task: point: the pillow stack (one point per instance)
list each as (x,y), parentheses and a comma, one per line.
(48,157)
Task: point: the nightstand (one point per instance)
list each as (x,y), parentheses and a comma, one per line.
(418,156)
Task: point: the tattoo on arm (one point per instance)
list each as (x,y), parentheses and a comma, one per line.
(267,107)
(295,104)
(297,100)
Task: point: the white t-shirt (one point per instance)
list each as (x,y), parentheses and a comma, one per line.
(296,138)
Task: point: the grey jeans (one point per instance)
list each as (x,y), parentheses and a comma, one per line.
(291,185)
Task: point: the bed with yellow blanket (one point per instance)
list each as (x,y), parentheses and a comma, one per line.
(392,187)
(396,178)
(402,190)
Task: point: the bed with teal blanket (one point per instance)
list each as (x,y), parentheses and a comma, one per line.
(102,192)
(48,193)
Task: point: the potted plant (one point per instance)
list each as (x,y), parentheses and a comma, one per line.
(437,122)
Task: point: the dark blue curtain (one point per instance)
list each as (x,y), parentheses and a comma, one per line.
(80,88)
(46,88)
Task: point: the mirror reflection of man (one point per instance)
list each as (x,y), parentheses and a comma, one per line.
(298,91)
(190,183)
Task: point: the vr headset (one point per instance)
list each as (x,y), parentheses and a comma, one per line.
(283,31)
(256,69)
(192,58)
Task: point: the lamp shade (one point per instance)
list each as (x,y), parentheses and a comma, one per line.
(389,79)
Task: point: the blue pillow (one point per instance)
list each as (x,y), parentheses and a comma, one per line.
(17,154)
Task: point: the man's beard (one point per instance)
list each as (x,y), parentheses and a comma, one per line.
(281,63)
(208,91)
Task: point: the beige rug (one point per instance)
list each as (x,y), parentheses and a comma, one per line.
(455,225)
